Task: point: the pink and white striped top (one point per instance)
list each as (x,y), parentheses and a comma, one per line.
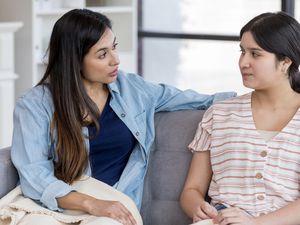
(248,172)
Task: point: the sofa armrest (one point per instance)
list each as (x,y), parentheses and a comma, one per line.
(8,173)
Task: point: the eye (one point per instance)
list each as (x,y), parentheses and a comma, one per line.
(255,54)
(115,46)
(102,56)
(242,51)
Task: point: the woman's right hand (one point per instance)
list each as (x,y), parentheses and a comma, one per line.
(112,209)
(204,211)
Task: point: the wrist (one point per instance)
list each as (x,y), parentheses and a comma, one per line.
(197,205)
(87,205)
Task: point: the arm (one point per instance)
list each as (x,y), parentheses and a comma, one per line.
(200,173)
(31,150)
(97,207)
(192,198)
(168,98)
(288,215)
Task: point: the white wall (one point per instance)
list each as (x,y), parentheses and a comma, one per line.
(16,10)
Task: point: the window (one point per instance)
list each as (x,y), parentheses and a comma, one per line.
(203,65)
(297,10)
(194,44)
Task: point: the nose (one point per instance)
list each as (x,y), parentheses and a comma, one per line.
(115,58)
(244,61)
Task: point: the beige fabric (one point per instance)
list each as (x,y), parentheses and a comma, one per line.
(14,207)
(204,222)
(39,219)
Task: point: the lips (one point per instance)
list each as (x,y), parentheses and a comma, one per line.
(246,74)
(114,73)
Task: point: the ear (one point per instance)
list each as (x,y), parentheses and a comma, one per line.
(286,62)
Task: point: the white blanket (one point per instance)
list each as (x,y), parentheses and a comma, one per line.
(204,222)
(14,206)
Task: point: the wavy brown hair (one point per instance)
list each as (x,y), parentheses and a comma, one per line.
(72,37)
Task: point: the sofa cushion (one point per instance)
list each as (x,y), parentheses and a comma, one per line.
(168,167)
(8,173)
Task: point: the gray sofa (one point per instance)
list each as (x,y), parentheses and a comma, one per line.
(168,165)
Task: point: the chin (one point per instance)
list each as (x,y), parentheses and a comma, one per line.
(112,79)
(248,85)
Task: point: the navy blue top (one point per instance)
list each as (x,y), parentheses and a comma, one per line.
(111,148)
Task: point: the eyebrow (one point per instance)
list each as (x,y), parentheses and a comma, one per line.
(252,49)
(105,48)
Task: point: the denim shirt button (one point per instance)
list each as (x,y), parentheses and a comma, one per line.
(123,115)
(137,133)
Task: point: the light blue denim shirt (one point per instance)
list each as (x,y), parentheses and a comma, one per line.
(134,100)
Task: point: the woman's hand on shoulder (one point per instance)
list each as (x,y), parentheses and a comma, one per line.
(204,211)
(112,209)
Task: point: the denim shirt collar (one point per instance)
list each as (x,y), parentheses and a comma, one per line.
(113,87)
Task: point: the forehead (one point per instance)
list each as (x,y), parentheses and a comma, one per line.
(247,39)
(106,40)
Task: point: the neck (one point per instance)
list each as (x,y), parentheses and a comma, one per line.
(95,90)
(274,98)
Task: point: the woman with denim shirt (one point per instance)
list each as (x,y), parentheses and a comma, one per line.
(86,117)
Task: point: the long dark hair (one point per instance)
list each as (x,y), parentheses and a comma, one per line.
(72,37)
(278,33)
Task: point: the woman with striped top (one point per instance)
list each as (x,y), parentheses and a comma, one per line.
(247,149)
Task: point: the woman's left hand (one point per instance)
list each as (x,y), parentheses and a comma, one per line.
(234,216)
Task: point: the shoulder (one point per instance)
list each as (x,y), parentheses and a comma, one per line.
(124,76)
(36,97)
(37,91)
(238,101)
(131,82)
(130,79)
(238,104)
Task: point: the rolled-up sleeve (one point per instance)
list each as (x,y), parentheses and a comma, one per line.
(31,151)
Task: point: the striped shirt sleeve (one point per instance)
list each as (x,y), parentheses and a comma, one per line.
(202,138)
